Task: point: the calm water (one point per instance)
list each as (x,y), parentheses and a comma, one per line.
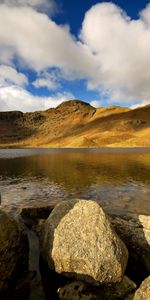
(120,179)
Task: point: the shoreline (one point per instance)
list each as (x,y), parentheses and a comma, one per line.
(41,280)
(12,153)
(88,149)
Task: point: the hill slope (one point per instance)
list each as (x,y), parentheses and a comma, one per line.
(76,124)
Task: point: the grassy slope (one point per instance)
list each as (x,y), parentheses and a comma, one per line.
(77,124)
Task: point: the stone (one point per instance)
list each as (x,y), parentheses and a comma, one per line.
(134,230)
(143,292)
(13,249)
(77,290)
(121,290)
(38,210)
(78,241)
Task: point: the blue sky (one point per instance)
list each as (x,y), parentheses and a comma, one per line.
(73,14)
(55,50)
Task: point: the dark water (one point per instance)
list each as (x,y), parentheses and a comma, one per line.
(119,178)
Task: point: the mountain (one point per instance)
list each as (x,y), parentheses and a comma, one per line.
(76,124)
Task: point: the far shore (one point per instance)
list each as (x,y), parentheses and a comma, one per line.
(13,152)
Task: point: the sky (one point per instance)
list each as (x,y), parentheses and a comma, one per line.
(57,50)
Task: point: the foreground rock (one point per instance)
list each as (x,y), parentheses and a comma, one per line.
(31,214)
(78,240)
(134,230)
(143,293)
(13,250)
(80,290)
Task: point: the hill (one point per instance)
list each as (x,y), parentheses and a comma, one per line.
(76,124)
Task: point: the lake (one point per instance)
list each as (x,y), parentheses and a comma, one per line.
(118,178)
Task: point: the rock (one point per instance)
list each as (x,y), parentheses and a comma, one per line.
(13,249)
(129,297)
(134,230)
(143,292)
(31,214)
(120,290)
(10,115)
(78,241)
(80,290)
(37,228)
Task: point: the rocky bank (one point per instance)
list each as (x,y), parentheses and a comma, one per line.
(84,253)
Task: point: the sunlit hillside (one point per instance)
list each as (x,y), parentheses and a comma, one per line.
(76,124)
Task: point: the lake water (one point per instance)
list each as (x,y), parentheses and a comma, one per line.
(118,178)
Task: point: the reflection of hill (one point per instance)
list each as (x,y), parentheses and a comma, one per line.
(77,124)
(80,170)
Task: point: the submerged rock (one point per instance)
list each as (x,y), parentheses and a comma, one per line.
(80,290)
(78,240)
(143,292)
(13,249)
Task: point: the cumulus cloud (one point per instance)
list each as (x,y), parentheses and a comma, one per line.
(96,103)
(10,75)
(43,82)
(17,98)
(48,80)
(37,4)
(40,43)
(122,47)
(111,53)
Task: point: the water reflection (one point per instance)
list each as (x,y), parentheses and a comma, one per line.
(118,180)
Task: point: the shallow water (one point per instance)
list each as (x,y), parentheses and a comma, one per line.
(118,178)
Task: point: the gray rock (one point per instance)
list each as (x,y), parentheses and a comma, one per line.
(13,249)
(80,290)
(143,292)
(134,230)
(78,240)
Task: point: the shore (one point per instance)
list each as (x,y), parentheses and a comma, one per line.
(134,231)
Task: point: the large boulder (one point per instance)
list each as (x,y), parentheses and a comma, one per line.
(143,292)
(13,249)
(134,230)
(78,240)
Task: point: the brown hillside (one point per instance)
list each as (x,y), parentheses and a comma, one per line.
(76,124)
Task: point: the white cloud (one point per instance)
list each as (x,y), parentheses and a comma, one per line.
(112,52)
(48,80)
(40,43)
(17,98)
(142,103)
(10,75)
(122,47)
(144,14)
(96,103)
(43,82)
(43,5)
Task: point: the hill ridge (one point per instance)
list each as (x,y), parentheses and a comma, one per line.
(75,123)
